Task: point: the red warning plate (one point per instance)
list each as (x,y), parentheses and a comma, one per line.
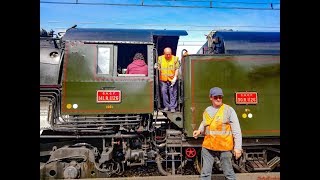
(108,96)
(246,98)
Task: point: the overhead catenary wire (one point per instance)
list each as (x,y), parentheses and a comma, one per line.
(193,28)
(76,2)
(226,2)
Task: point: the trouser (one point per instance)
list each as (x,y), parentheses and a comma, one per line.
(169,101)
(208,160)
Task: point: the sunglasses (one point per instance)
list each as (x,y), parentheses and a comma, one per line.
(217,97)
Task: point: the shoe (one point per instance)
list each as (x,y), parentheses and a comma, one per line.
(166,109)
(173,110)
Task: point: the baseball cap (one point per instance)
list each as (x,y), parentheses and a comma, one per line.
(216,91)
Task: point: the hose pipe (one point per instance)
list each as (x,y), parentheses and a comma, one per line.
(160,168)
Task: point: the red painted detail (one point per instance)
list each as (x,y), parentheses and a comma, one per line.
(246,98)
(108,96)
(159,138)
(190,152)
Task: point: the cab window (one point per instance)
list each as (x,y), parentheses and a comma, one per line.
(104,60)
(125,55)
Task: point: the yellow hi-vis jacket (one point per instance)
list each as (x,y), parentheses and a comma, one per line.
(218,135)
(168,67)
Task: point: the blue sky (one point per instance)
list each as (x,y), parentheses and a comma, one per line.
(196,21)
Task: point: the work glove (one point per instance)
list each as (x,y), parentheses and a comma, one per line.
(173,81)
(156,66)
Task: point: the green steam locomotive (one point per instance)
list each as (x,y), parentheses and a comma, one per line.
(97,121)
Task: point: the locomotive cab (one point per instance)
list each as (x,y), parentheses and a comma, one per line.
(93,79)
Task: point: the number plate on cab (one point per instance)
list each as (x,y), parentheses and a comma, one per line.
(246,98)
(108,96)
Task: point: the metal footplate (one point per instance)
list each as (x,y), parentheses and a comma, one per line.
(256,161)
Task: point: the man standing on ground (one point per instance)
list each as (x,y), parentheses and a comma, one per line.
(222,136)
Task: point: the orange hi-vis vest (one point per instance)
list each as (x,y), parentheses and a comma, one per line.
(218,134)
(167,68)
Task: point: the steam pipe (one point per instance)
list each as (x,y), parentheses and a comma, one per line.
(95,136)
(80,124)
(159,165)
(102,117)
(160,145)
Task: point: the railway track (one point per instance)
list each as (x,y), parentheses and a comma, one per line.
(189,173)
(240,176)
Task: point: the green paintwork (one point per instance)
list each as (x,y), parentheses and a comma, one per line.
(260,73)
(80,83)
